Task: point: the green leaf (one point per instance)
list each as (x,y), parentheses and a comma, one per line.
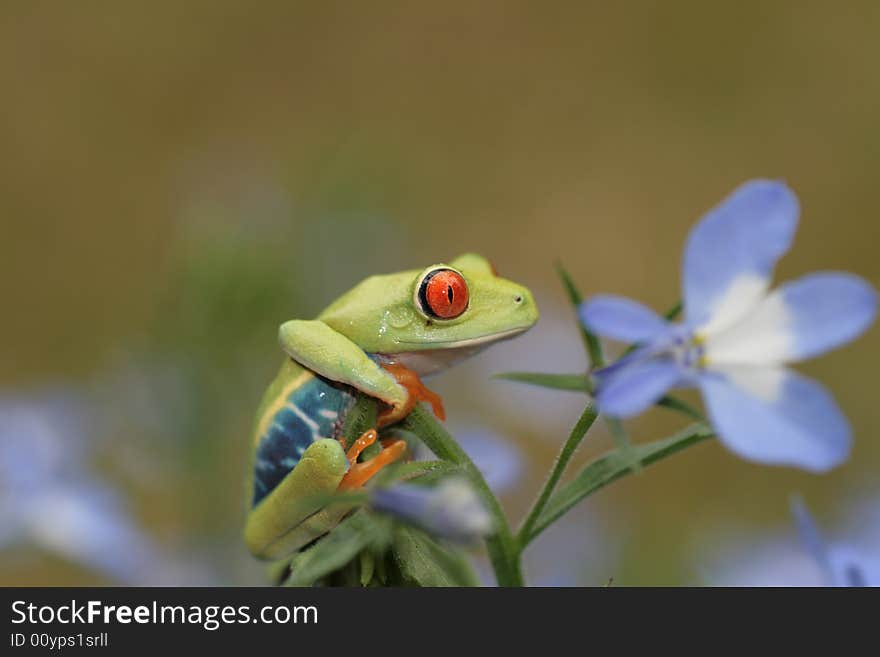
(381,578)
(358,532)
(574,382)
(610,467)
(585,421)
(368,564)
(591,341)
(416,471)
(425,562)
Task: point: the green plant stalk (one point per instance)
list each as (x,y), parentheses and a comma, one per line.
(675,404)
(361,417)
(502,547)
(621,441)
(578,432)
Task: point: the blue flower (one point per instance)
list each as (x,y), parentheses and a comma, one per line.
(850,556)
(841,565)
(451,509)
(738,337)
(50,498)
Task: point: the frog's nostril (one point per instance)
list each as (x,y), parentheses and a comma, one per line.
(518,299)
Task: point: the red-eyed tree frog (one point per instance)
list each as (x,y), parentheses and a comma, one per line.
(378,339)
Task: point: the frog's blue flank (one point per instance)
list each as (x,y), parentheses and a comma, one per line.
(312,410)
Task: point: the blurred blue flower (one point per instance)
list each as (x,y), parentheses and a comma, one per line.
(451,509)
(841,564)
(498,460)
(50,499)
(851,558)
(737,338)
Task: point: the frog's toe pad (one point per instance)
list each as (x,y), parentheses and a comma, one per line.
(366,439)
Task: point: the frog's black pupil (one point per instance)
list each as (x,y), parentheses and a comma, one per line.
(449,293)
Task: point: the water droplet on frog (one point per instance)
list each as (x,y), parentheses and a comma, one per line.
(397,318)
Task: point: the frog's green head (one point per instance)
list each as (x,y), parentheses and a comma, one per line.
(460,307)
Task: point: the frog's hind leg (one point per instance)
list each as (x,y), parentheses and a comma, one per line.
(291,515)
(360,473)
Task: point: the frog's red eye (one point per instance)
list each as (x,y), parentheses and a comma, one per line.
(443,294)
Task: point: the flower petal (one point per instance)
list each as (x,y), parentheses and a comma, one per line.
(775,416)
(852,567)
(731,252)
(634,388)
(451,509)
(622,319)
(798,320)
(812,539)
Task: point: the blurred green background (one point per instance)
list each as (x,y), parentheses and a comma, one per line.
(180,178)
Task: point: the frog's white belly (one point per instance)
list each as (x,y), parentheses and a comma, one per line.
(426,363)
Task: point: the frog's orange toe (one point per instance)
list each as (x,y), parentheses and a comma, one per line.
(360,473)
(366,439)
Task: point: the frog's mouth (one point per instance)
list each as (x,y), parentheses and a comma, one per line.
(480,341)
(438,355)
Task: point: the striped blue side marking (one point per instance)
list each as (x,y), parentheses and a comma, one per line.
(315,410)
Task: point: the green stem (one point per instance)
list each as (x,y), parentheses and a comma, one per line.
(591,340)
(676,404)
(675,311)
(502,547)
(361,417)
(568,449)
(621,440)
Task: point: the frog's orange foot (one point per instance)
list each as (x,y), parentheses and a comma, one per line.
(366,439)
(416,392)
(360,473)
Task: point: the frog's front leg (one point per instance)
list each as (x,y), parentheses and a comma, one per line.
(318,347)
(416,390)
